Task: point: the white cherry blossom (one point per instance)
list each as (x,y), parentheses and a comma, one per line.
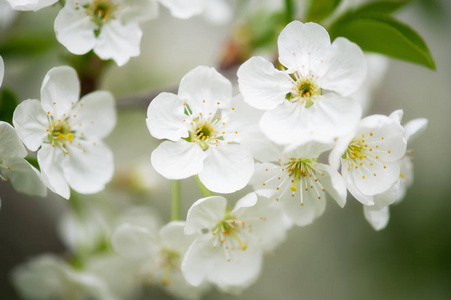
(300,182)
(159,255)
(68,133)
(309,99)
(13,166)
(110,27)
(378,214)
(230,243)
(49,277)
(370,157)
(30,4)
(203,129)
(215,11)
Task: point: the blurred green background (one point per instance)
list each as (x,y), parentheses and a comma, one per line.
(338,257)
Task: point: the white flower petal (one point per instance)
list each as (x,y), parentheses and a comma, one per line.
(241,118)
(50,160)
(227,168)
(283,124)
(397,115)
(387,198)
(309,150)
(138,10)
(30,4)
(202,88)
(183,9)
(118,41)
(377,218)
(202,262)
(218,11)
(339,149)
(262,85)
(59,90)
(10,144)
(345,70)
(173,237)
(135,242)
(264,175)
(165,116)
(392,144)
(247,201)
(332,115)
(377,179)
(303,46)
(303,215)
(266,218)
(2,70)
(23,176)
(414,128)
(74,29)
(333,183)
(87,168)
(205,213)
(178,160)
(359,196)
(95,114)
(31,123)
(261,148)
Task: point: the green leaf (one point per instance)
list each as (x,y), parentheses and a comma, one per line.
(8,103)
(320,9)
(380,7)
(26,45)
(383,34)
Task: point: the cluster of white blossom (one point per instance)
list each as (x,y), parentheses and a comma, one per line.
(284,119)
(273,136)
(111,27)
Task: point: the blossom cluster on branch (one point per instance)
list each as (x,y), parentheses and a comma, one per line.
(295,134)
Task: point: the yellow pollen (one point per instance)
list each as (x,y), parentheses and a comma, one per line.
(363,177)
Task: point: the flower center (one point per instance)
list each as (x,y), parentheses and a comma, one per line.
(227,232)
(101,11)
(60,133)
(170,261)
(298,169)
(305,90)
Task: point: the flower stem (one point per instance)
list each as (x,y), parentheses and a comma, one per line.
(289,11)
(206,192)
(176,200)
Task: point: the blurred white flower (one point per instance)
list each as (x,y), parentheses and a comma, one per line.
(30,4)
(69,133)
(2,70)
(413,129)
(13,166)
(159,255)
(120,275)
(299,181)
(49,277)
(7,15)
(370,158)
(307,100)
(110,27)
(204,131)
(229,247)
(377,68)
(215,11)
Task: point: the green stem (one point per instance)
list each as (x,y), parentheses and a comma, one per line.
(289,11)
(206,192)
(176,200)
